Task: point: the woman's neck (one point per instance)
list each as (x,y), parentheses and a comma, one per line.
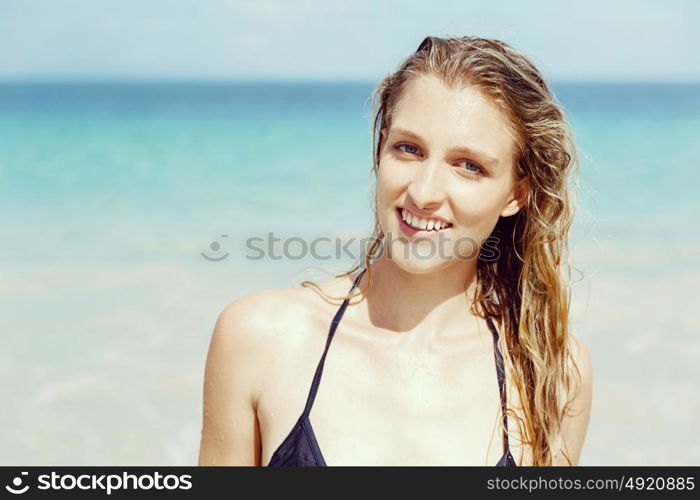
(427,307)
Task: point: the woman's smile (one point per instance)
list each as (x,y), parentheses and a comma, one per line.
(412,225)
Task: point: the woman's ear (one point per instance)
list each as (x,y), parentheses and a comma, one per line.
(517,198)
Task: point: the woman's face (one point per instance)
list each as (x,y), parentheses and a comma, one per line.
(445,161)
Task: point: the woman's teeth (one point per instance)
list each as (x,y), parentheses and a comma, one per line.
(424,224)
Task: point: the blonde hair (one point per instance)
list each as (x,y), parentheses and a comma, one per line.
(527,288)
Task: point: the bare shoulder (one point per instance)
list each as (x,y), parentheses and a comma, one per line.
(260,323)
(260,319)
(582,359)
(575,424)
(252,334)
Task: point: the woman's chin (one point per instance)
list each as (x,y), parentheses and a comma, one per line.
(417,265)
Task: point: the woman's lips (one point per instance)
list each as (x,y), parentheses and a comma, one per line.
(412,231)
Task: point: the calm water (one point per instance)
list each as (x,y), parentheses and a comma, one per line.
(84,165)
(109,193)
(198,156)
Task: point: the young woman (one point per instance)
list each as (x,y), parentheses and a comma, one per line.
(454,346)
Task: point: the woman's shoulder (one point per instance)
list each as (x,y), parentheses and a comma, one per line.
(581,357)
(277,316)
(579,401)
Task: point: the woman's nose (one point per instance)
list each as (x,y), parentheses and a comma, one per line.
(426,190)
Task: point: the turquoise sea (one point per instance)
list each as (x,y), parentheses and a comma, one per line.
(110,193)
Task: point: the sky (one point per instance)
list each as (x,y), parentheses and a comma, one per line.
(337,40)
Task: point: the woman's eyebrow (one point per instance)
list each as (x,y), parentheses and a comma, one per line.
(463,149)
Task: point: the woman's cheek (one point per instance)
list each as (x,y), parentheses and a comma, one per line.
(389,184)
(383,195)
(476,220)
(391,175)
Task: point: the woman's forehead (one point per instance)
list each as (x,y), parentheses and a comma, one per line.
(462,117)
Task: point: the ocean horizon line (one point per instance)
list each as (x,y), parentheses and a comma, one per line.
(144,81)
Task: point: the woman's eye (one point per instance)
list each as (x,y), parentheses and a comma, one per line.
(399,146)
(477,170)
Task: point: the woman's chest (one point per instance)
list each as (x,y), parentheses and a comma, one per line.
(408,409)
(397,408)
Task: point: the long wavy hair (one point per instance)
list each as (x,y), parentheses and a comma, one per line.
(527,288)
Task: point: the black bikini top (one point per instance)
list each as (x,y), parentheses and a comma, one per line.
(300,447)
